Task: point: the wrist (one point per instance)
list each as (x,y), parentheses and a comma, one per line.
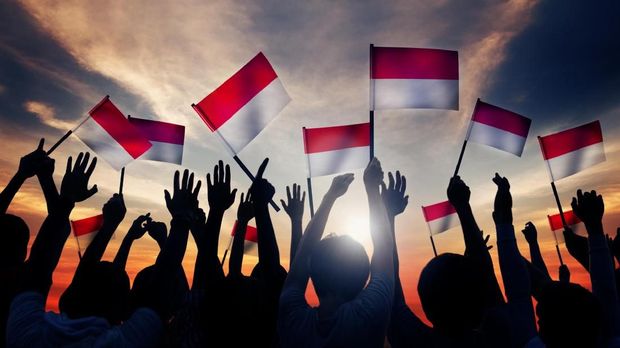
(594,227)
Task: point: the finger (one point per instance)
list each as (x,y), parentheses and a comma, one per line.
(383,188)
(298,194)
(284,206)
(233,194)
(303,198)
(167,197)
(184,179)
(78,161)
(406,199)
(176,181)
(288,193)
(220,165)
(242,199)
(390,181)
(261,169)
(190,182)
(84,162)
(69,165)
(197,190)
(209,184)
(579,195)
(91,167)
(398,181)
(486,239)
(248,196)
(41,143)
(403,186)
(92,191)
(216,176)
(227,174)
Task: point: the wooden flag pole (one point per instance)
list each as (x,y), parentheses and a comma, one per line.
(120,188)
(371,109)
(557,202)
(458,163)
(309,178)
(430,234)
(310,200)
(433,244)
(60,141)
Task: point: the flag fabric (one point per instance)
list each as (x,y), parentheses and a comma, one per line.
(403,78)
(498,128)
(555,222)
(251,237)
(440,217)
(167,140)
(337,149)
(85,230)
(245,104)
(108,133)
(573,150)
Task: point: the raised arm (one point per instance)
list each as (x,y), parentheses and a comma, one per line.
(531,236)
(577,247)
(295,210)
(245,213)
(47,247)
(589,207)
(299,273)
(136,231)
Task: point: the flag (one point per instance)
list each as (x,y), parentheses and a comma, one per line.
(336,149)
(167,140)
(440,217)
(251,236)
(423,78)
(498,128)
(555,222)
(243,106)
(573,150)
(108,133)
(85,230)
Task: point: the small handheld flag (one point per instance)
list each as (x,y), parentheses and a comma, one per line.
(84,230)
(439,217)
(167,140)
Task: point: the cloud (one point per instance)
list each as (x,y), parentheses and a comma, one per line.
(46,114)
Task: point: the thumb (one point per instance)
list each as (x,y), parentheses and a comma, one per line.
(92,191)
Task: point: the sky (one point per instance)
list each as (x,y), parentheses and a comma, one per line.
(555,62)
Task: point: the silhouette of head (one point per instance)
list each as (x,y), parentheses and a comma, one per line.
(141,290)
(568,316)
(15,234)
(339,267)
(100,290)
(452,294)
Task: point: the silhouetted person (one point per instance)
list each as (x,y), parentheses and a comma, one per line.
(294,208)
(350,313)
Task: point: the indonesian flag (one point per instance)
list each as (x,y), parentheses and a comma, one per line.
(251,236)
(108,133)
(167,140)
(555,222)
(440,217)
(573,150)
(498,128)
(85,230)
(403,78)
(337,149)
(244,105)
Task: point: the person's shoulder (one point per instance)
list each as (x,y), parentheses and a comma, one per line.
(28,298)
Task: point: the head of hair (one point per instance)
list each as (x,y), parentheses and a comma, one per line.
(15,235)
(568,316)
(339,267)
(100,290)
(452,293)
(143,283)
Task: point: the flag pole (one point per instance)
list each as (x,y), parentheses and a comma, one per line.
(371,109)
(64,137)
(226,251)
(430,234)
(458,163)
(120,188)
(308,179)
(557,202)
(310,201)
(433,244)
(251,176)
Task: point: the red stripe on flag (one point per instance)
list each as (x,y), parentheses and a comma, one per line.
(160,131)
(112,120)
(251,233)
(503,119)
(570,140)
(87,225)
(336,138)
(438,210)
(555,221)
(219,106)
(414,63)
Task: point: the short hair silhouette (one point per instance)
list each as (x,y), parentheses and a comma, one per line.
(15,234)
(568,316)
(452,294)
(339,267)
(100,290)
(143,283)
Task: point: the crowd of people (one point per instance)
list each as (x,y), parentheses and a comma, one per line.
(361,299)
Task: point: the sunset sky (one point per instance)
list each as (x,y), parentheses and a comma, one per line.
(556,62)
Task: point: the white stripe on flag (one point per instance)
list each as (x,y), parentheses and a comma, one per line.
(497,138)
(338,161)
(164,152)
(416,93)
(103,144)
(443,224)
(576,161)
(250,120)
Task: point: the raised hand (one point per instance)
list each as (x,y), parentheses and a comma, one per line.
(74,187)
(340,185)
(139,226)
(373,174)
(245,212)
(261,190)
(114,210)
(218,191)
(158,231)
(184,199)
(394,195)
(296,202)
(502,213)
(530,233)
(35,162)
(458,192)
(589,207)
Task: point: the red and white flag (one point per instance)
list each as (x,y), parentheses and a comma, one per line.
(555,222)
(498,128)
(424,78)
(337,149)
(108,133)
(440,217)
(86,229)
(251,236)
(167,140)
(243,106)
(573,150)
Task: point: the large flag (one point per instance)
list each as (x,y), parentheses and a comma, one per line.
(337,149)
(424,78)
(440,217)
(108,133)
(85,230)
(498,128)
(573,150)
(555,222)
(243,106)
(251,237)
(167,140)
